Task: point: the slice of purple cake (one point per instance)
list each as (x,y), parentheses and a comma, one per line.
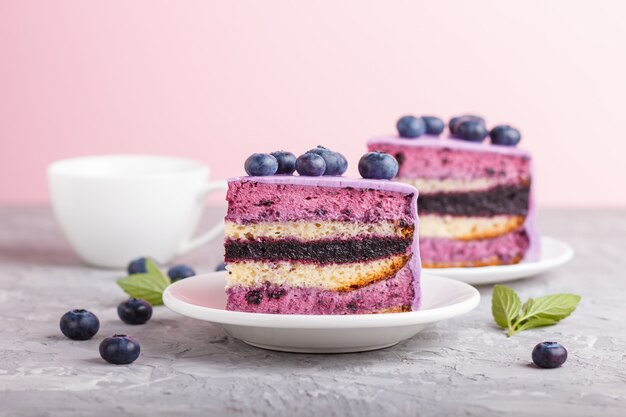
(321,245)
(476,203)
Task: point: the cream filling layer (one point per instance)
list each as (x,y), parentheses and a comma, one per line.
(307,230)
(429,185)
(333,277)
(467,228)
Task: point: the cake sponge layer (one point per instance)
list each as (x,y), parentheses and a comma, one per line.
(395,294)
(436,185)
(333,277)
(467,228)
(309,231)
(503,250)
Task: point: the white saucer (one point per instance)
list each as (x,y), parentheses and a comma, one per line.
(202,297)
(553,253)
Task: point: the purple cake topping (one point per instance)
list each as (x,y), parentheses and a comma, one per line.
(449,143)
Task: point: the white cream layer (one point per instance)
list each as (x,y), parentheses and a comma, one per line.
(334,277)
(429,185)
(466,228)
(308,231)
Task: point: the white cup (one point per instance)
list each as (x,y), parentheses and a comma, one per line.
(117,207)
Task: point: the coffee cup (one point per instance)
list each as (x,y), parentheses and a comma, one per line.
(114,208)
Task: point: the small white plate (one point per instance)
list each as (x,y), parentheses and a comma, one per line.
(202,297)
(553,253)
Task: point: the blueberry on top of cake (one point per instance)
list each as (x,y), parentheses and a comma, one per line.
(321,244)
(475,205)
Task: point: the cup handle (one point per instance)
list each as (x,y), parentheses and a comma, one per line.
(213,232)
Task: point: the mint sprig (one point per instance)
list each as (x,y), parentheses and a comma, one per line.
(148,286)
(510,314)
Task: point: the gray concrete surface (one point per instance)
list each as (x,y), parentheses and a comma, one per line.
(464,366)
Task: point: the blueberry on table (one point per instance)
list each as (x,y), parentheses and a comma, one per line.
(137,266)
(410,127)
(505,135)
(79,324)
(220,267)
(134,311)
(455,122)
(549,355)
(378,165)
(178,272)
(286,162)
(336,163)
(472,131)
(434,125)
(261,164)
(310,165)
(120,349)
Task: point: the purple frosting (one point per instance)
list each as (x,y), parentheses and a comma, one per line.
(449,142)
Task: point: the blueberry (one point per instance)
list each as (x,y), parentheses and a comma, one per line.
(221,267)
(134,311)
(336,163)
(310,165)
(120,349)
(410,127)
(455,122)
(178,272)
(79,324)
(505,135)
(378,165)
(276,293)
(261,164)
(472,131)
(254,296)
(137,266)
(549,355)
(434,125)
(286,162)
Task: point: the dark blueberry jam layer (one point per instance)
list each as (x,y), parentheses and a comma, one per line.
(508,199)
(321,251)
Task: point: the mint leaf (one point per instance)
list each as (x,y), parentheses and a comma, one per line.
(505,306)
(148,286)
(538,312)
(556,307)
(533,323)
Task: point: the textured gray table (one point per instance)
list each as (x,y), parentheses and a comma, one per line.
(464,366)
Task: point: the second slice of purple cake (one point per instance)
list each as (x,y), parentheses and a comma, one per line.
(321,245)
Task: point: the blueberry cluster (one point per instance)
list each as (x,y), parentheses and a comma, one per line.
(378,165)
(119,349)
(176,272)
(314,163)
(413,127)
(467,127)
(80,324)
(474,129)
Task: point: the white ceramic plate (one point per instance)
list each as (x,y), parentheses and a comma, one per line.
(553,253)
(202,297)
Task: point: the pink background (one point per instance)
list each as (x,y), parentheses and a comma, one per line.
(219,80)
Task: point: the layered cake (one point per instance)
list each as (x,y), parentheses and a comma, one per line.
(321,245)
(475,199)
